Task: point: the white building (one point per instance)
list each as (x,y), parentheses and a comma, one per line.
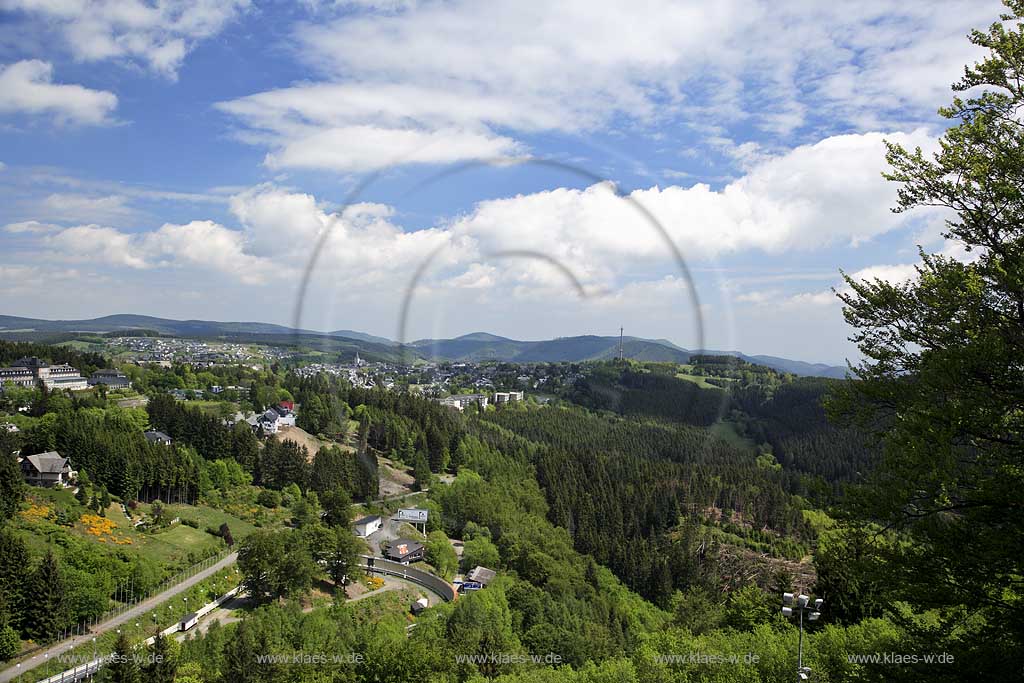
(462,401)
(368,525)
(507,397)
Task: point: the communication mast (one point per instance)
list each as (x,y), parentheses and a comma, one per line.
(620,343)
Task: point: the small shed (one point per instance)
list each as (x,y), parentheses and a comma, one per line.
(367,525)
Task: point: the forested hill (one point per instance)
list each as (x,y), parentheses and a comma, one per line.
(475,347)
(777,415)
(83,361)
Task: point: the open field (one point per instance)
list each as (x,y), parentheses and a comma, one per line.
(726,431)
(395,479)
(171,547)
(303,438)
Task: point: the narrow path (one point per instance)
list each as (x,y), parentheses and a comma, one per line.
(135,612)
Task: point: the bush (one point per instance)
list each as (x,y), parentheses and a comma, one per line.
(10,643)
(268,498)
(188,521)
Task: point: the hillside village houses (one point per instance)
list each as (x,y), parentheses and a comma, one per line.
(29,372)
(281,416)
(461,401)
(113,379)
(49,469)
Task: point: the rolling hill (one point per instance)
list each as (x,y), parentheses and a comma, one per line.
(474,347)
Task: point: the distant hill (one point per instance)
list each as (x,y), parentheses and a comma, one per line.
(53,331)
(474,347)
(362,336)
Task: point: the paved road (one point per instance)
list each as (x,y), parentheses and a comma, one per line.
(134,613)
(399,496)
(230,611)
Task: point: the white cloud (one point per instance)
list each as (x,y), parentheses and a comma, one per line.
(199,245)
(367,148)
(209,246)
(158,35)
(362,245)
(418,73)
(892,274)
(776,299)
(85,208)
(816,195)
(28,88)
(31,227)
(814,299)
(98,244)
(823,194)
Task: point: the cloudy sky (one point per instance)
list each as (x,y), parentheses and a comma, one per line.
(539,165)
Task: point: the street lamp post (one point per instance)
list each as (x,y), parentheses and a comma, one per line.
(800,604)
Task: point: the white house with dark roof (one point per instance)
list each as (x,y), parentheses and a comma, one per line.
(47,469)
(269,421)
(154,436)
(367,525)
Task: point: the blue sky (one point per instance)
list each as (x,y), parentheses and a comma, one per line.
(183,159)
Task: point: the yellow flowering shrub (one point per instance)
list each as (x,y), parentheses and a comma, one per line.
(38,513)
(103,529)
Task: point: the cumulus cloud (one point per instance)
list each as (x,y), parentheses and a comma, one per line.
(816,195)
(158,35)
(207,245)
(28,88)
(360,245)
(98,244)
(202,245)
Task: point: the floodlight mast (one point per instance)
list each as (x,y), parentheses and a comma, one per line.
(800,603)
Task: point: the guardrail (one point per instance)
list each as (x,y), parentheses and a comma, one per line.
(76,674)
(88,669)
(431,582)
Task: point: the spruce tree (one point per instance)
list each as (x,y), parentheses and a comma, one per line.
(163,661)
(12,487)
(15,570)
(122,666)
(45,605)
